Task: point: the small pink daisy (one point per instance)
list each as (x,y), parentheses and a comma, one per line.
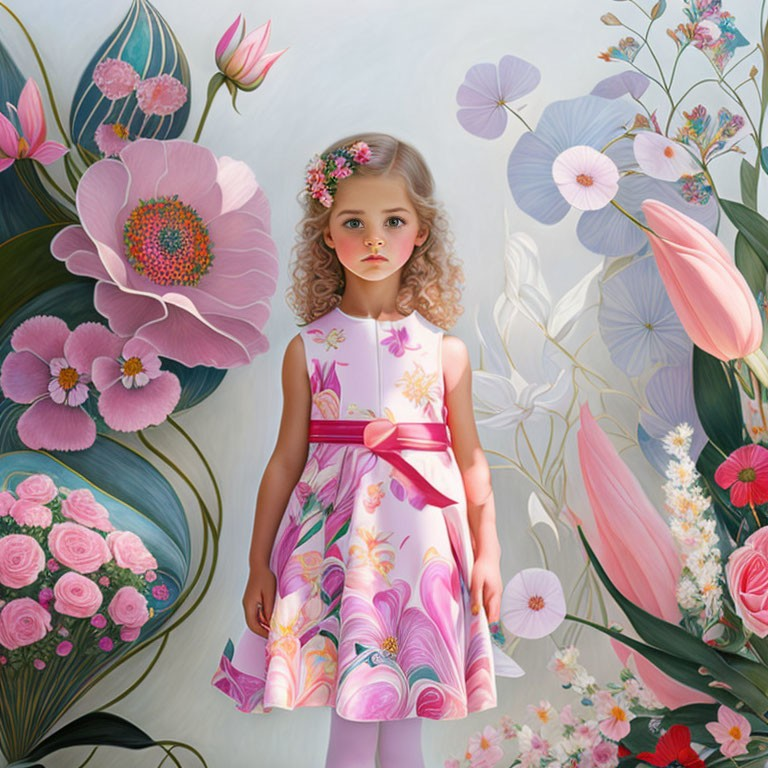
(745,472)
(731,731)
(161,95)
(613,719)
(115,79)
(586,178)
(484,747)
(533,603)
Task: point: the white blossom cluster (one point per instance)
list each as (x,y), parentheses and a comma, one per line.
(692,522)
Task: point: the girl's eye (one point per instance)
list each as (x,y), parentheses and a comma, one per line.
(395,221)
(353,224)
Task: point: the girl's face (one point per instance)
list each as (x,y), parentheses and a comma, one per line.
(373,226)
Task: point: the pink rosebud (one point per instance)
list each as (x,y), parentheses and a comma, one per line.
(64,648)
(21,560)
(160,592)
(3,660)
(6,502)
(39,488)
(77,596)
(129,551)
(128,607)
(161,95)
(22,622)
(709,294)
(38,664)
(45,596)
(82,507)
(129,634)
(116,79)
(77,547)
(104,581)
(243,60)
(747,574)
(52,565)
(31,513)
(63,631)
(106,644)
(150,576)
(99,621)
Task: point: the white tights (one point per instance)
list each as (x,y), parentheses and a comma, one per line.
(354,744)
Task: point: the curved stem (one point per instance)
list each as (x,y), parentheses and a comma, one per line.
(183,745)
(213,86)
(54,109)
(518,116)
(47,176)
(633,219)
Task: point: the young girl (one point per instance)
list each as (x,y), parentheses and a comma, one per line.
(374,561)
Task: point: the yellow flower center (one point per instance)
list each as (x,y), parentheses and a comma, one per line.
(484,743)
(23,146)
(536,602)
(68,377)
(120,131)
(747,475)
(390,645)
(735,732)
(585,180)
(132,367)
(618,714)
(669,152)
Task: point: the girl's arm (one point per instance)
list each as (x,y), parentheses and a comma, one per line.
(485,584)
(280,477)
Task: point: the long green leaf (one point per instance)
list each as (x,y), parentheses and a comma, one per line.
(749,264)
(748,177)
(751,224)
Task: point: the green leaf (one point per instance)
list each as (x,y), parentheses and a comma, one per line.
(751,224)
(763,160)
(101,728)
(749,264)
(28,268)
(743,682)
(640,738)
(748,177)
(310,533)
(718,402)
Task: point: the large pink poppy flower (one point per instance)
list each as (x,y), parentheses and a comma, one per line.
(179,243)
(50,368)
(745,472)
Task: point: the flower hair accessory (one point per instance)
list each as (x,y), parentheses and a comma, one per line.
(325,171)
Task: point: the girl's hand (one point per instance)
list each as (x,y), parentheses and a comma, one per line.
(260,589)
(486,587)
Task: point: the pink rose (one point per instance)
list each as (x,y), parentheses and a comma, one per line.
(129,634)
(6,502)
(21,560)
(747,574)
(28,512)
(77,547)
(76,596)
(128,607)
(83,508)
(39,488)
(23,622)
(129,551)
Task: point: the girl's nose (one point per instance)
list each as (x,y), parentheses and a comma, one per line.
(373,242)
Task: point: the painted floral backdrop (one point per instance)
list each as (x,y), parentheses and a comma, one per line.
(616,329)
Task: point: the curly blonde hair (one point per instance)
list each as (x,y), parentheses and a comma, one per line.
(431,279)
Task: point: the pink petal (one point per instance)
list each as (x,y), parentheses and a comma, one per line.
(43,335)
(127,410)
(51,427)
(31,114)
(74,246)
(238,187)
(9,138)
(89,341)
(105,372)
(49,152)
(224,50)
(24,377)
(481,81)
(191,171)
(259,69)
(6,162)
(250,49)
(126,311)
(650,152)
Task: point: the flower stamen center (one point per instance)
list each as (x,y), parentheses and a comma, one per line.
(585,180)
(618,713)
(747,475)
(390,645)
(132,367)
(167,242)
(120,131)
(669,152)
(68,378)
(735,732)
(536,603)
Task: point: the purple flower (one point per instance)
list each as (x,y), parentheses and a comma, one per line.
(178,241)
(160,592)
(616,86)
(50,369)
(486,91)
(397,341)
(135,393)
(63,648)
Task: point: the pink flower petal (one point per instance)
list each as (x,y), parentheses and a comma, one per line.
(9,138)
(661,157)
(24,377)
(126,311)
(51,427)
(141,349)
(226,45)
(89,341)
(43,335)
(105,372)
(239,188)
(49,152)
(191,172)
(127,410)
(73,246)
(31,114)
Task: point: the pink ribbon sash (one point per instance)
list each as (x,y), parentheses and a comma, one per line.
(385,439)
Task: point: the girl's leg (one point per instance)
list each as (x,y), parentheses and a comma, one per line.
(352,744)
(400,743)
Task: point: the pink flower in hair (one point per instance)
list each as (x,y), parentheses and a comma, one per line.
(161,95)
(116,79)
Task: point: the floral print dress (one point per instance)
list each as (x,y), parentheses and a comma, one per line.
(372,611)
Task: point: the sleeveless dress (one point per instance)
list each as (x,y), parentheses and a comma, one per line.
(372,611)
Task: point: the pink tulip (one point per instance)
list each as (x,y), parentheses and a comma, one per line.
(244,60)
(709,294)
(31,144)
(634,546)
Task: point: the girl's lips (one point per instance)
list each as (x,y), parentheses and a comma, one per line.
(375,257)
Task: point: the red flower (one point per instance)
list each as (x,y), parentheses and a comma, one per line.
(745,472)
(674,748)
